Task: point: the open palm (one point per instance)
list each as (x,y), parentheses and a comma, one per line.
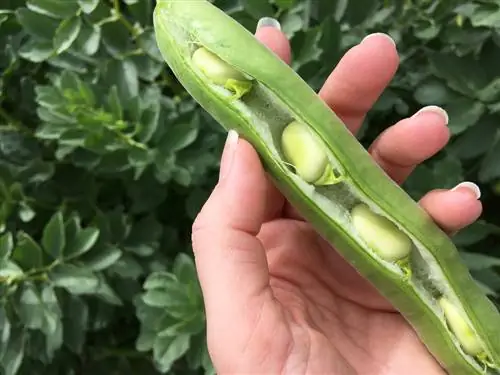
(279,299)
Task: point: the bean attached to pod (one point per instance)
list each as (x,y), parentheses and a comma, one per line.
(305,151)
(383,236)
(220,72)
(462,330)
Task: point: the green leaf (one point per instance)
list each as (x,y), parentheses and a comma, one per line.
(50,131)
(427,29)
(174,298)
(83,241)
(36,50)
(147,41)
(491,92)
(75,323)
(6,246)
(89,40)
(104,292)
(68,62)
(145,231)
(116,40)
(291,24)
(103,258)
(448,171)
(17,147)
(474,233)
(88,6)
(307,47)
(36,25)
(74,137)
(190,325)
(3,18)
(486,289)
(66,33)
(463,113)
(490,167)
(258,8)
(487,277)
(14,355)
(461,74)
(54,342)
(26,213)
(72,227)
(331,39)
(123,74)
(114,104)
(198,355)
(69,83)
(142,11)
(478,139)
(479,261)
(6,329)
(54,238)
(158,298)
(432,93)
(149,121)
(167,350)
(74,279)
(184,268)
(158,279)
(145,340)
(179,137)
(10,270)
(285,4)
(195,202)
(148,69)
(355,14)
(486,16)
(40,309)
(27,252)
(114,225)
(53,8)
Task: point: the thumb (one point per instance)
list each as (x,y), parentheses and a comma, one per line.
(231,261)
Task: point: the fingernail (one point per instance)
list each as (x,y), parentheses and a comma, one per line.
(228,153)
(470,186)
(379,35)
(268,22)
(434,109)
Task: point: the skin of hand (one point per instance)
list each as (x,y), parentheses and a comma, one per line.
(278,298)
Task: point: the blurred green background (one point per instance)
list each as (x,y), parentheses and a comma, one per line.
(105,161)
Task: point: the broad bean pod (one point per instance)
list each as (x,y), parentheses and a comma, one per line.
(332,181)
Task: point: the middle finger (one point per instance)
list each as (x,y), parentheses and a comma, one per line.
(400,148)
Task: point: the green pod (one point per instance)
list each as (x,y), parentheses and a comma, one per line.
(277,97)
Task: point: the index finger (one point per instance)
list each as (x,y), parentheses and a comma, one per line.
(269,33)
(359,79)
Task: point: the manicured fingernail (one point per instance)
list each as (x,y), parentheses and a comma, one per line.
(228,154)
(268,22)
(434,109)
(471,187)
(379,35)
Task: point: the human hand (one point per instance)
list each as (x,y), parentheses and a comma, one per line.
(278,298)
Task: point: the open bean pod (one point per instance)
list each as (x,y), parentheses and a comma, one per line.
(332,181)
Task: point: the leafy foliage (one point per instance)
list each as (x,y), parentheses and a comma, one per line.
(105,160)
